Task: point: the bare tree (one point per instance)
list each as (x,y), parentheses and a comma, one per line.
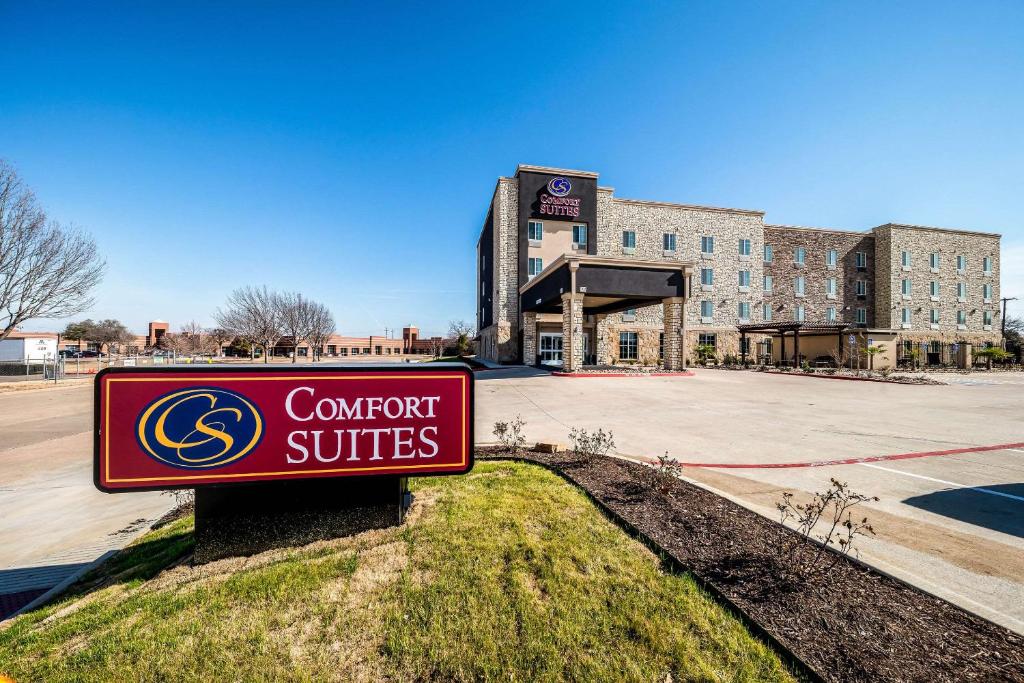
(253,313)
(192,339)
(218,338)
(296,319)
(461,334)
(110,333)
(437,345)
(46,270)
(320,329)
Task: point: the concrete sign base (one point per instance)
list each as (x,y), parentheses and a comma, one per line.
(251,518)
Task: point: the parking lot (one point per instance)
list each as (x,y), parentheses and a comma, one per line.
(947,462)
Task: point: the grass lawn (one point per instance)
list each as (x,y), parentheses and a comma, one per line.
(506,573)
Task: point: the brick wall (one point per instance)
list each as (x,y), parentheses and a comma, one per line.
(893,240)
(816,244)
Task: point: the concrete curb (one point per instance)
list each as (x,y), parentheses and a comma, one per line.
(685,373)
(63,585)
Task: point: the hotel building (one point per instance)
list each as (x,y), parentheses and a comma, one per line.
(569,274)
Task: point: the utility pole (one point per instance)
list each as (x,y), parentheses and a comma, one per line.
(1003,330)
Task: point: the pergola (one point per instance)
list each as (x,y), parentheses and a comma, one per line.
(782,327)
(576,285)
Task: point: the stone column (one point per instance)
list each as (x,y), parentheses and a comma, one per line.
(529,338)
(572,332)
(673,314)
(601,347)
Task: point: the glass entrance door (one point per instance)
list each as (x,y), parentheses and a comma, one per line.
(550,348)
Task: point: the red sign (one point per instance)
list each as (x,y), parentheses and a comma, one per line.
(160,428)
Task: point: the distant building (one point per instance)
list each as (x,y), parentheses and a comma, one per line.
(338,346)
(28,346)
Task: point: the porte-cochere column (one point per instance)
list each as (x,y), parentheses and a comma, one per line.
(572,332)
(673,315)
(529,338)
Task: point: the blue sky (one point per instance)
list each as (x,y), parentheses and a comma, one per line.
(213,145)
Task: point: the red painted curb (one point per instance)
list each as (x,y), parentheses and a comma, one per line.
(853,461)
(623,374)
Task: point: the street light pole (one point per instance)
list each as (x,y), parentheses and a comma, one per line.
(1003,324)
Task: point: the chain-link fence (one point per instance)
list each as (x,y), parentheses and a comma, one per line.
(50,368)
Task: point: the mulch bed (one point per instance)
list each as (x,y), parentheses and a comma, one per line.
(853,625)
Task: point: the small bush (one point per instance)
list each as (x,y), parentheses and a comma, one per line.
(589,444)
(668,470)
(804,560)
(510,434)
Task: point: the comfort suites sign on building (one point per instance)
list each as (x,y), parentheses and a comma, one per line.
(189,427)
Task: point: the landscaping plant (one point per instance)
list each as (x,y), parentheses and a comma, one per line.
(669,469)
(590,444)
(510,434)
(804,560)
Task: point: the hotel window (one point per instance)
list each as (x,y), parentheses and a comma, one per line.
(906,316)
(535,231)
(862,316)
(961,263)
(986,265)
(799,255)
(830,286)
(799,314)
(933,260)
(744,278)
(769,283)
(707,309)
(933,287)
(708,339)
(707,245)
(987,318)
(534,266)
(668,241)
(355,351)
(661,346)
(579,236)
(986,293)
(934,317)
(628,239)
(744,345)
(799,285)
(905,287)
(744,310)
(744,247)
(862,287)
(766,312)
(831,258)
(905,259)
(627,346)
(707,276)
(961,317)
(862,259)
(629,315)
(961,290)
(343,351)
(768,256)
(830,314)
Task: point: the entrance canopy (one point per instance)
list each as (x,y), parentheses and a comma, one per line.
(605,285)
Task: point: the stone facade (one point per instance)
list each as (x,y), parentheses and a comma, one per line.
(920,243)
(572,332)
(871,257)
(817,272)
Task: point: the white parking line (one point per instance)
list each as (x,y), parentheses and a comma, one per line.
(947,483)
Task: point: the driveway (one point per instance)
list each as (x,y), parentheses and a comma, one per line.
(947,462)
(53,521)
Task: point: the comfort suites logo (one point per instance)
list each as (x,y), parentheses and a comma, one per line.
(200,428)
(554,202)
(559,186)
